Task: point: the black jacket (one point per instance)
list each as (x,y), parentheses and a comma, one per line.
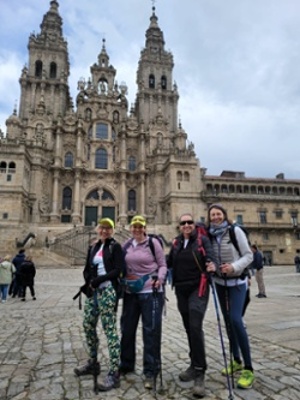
(27,273)
(113,260)
(186,271)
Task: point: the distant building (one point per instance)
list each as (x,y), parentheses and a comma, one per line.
(63,165)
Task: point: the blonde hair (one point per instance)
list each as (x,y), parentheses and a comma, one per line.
(7,258)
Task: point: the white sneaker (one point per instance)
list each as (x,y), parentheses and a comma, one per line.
(3,301)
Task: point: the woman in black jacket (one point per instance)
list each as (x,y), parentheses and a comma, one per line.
(27,273)
(101,273)
(187,258)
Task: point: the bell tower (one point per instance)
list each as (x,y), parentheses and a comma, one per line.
(157,95)
(45,81)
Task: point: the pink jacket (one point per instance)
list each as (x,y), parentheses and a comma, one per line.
(140,261)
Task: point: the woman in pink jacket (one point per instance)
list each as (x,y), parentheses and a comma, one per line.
(146,267)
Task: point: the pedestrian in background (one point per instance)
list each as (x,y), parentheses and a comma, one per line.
(16,284)
(27,273)
(231,286)
(297,263)
(7,270)
(258,266)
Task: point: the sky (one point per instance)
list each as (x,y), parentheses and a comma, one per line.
(237,68)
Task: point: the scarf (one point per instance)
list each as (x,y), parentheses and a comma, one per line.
(218,230)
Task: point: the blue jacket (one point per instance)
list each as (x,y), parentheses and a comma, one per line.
(258,262)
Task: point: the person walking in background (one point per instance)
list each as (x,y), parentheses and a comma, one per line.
(7,270)
(231,287)
(297,263)
(258,266)
(27,273)
(145,259)
(16,284)
(101,273)
(188,264)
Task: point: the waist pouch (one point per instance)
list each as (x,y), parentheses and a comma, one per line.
(133,285)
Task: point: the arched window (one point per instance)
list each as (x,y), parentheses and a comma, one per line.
(179,176)
(3,166)
(131,163)
(151,81)
(163,82)
(131,200)
(101,159)
(53,70)
(67,198)
(12,167)
(38,69)
(68,160)
(107,195)
(94,195)
(101,131)
(186,176)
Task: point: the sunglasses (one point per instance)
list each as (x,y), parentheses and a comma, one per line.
(182,223)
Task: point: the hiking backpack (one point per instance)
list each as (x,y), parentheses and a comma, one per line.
(234,241)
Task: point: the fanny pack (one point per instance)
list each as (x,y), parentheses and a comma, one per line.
(134,285)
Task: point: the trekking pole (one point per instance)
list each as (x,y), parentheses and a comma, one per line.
(229,331)
(213,289)
(95,375)
(156,335)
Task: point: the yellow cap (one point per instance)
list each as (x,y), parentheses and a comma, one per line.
(107,221)
(138,219)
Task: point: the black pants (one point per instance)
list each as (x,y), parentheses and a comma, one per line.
(192,309)
(31,288)
(149,307)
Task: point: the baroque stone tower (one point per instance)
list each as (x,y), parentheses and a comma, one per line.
(64,166)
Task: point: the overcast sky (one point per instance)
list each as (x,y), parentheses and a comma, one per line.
(237,67)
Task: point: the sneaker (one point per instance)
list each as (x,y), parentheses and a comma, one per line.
(188,375)
(23,299)
(246,379)
(3,301)
(112,381)
(88,368)
(34,298)
(199,388)
(234,367)
(148,383)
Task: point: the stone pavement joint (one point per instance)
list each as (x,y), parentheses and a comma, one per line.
(42,341)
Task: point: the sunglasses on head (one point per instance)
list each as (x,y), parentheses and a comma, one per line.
(189,222)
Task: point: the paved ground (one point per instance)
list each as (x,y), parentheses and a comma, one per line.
(42,341)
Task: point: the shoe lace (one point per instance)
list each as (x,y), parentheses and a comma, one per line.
(247,374)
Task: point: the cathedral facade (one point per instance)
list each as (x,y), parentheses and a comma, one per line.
(65,162)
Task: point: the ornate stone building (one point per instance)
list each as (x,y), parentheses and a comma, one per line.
(63,164)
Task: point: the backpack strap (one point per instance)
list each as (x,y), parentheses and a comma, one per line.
(233,238)
(152,248)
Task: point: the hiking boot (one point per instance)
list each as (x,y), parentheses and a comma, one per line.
(148,383)
(231,369)
(199,388)
(125,370)
(188,375)
(112,381)
(88,368)
(246,379)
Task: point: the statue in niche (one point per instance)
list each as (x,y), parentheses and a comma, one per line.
(152,206)
(39,131)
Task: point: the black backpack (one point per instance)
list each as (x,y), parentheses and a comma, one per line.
(234,241)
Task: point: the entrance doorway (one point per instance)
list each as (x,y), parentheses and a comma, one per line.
(91,216)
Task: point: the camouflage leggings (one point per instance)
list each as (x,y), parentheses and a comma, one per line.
(106,301)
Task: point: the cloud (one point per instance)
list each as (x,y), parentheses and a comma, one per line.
(236,67)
